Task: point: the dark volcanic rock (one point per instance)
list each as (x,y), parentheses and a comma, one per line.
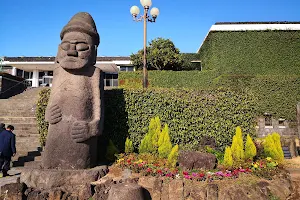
(197,160)
(126,191)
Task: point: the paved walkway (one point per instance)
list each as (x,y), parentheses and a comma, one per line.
(13,178)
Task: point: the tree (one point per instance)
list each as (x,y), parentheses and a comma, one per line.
(250,148)
(228,162)
(237,146)
(161,55)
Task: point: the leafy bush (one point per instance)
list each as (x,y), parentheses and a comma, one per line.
(164,143)
(219,154)
(272,147)
(250,148)
(111,151)
(228,161)
(128,146)
(190,115)
(40,115)
(237,147)
(173,156)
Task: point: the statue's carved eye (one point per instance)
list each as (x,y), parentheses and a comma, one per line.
(65,46)
(82,47)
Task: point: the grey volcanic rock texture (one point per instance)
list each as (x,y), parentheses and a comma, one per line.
(68,180)
(75,108)
(196,160)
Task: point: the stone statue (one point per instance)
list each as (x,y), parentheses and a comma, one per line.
(75,108)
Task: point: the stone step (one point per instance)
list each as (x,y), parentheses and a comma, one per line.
(285,148)
(19,113)
(17,120)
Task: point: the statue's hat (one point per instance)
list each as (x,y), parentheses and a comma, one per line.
(82,22)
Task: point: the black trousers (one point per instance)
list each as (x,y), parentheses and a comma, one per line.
(5,163)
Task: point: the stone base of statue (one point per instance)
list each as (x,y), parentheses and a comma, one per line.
(74,182)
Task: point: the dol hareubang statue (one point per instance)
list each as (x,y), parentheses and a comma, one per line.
(74,111)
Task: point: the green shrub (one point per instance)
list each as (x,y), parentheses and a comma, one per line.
(111,151)
(40,115)
(219,154)
(149,143)
(165,145)
(250,148)
(173,156)
(128,146)
(276,139)
(190,115)
(155,129)
(237,147)
(272,147)
(228,161)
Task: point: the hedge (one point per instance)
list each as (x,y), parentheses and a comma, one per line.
(187,64)
(190,114)
(252,52)
(275,94)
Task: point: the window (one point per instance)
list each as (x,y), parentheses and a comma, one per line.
(268,119)
(281,123)
(126,68)
(110,80)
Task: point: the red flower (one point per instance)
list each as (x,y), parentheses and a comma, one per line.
(185,173)
(159,171)
(128,161)
(140,165)
(149,169)
(201,175)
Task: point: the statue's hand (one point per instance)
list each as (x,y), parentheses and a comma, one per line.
(54,114)
(80,131)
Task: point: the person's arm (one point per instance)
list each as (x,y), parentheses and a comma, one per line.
(13,144)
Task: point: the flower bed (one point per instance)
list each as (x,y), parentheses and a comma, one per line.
(150,165)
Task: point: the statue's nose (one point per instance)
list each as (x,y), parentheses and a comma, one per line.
(72,51)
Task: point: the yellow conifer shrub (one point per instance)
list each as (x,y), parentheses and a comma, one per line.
(250,148)
(237,147)
(149,143)
(165,145)
(272,147)
(128,146)
(228,161)
(173,156)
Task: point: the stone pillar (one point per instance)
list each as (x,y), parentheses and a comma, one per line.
(35,78)
(14,71)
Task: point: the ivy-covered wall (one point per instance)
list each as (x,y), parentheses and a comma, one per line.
(276,94)
(190,114)
(252,52)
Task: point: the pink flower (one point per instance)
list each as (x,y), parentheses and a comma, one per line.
(169,175)
(194,174)
(242,170)
(187,177)
(149,169)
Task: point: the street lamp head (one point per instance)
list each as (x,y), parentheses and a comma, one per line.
(134,10)
(154,12)
(146,3)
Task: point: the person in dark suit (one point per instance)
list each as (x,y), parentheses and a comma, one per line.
(7,148)
(2,127)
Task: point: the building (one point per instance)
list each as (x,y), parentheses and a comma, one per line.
(38,71)
(262,52)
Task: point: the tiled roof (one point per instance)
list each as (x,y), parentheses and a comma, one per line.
(52,58)
(274,22)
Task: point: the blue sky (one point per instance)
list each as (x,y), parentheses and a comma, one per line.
(32,27)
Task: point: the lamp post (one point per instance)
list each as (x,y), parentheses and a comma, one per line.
(134,10)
